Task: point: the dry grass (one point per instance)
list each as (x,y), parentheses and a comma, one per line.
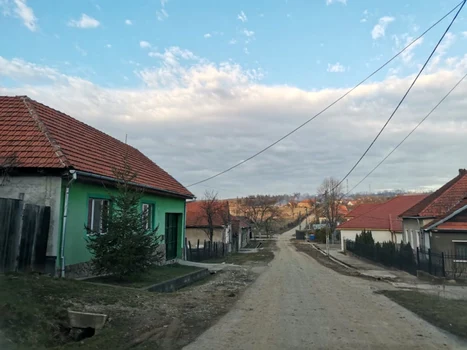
(448,314)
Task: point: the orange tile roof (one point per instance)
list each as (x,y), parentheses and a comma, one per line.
(361,209)
(383,216)
(443,199)
(196,215)
(42,137)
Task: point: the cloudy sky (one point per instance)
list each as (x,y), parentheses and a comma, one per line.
(201,85)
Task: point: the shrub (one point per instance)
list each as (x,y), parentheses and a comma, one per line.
(127,247)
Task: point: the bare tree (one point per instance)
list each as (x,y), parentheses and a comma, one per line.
(293,203)
(213,211)
(262,211)
(330,196)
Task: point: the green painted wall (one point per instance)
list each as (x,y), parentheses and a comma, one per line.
(75,240)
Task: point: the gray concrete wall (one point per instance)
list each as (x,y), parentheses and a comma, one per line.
(39,190)
(443,242)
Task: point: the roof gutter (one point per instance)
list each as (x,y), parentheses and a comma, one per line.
(111,179)
(446,218)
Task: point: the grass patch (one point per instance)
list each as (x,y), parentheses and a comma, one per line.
(448,314)
(155,275)
(33,310)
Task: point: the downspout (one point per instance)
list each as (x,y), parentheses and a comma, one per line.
(184,234)
(65,213)
(419,231)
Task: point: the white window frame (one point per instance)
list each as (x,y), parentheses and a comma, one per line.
(150,210)
(459,241)
(93,201)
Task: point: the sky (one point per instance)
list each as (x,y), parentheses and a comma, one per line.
(199,86)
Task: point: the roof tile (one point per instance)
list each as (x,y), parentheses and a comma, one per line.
(35,132)
(383,216)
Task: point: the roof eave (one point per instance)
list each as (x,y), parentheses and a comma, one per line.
(147,187)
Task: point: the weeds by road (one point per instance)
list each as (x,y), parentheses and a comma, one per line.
(448,314)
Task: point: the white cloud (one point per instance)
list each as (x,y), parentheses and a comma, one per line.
(128,22)
(242,17)
(84,22)
(163,2)
(108,46)
(464,34)
(246,51)
(144,44)
(441,51)
(232,41)
(162,15)
(248,33)
(379,30)
(20,9)
(336,68)
(365,16)
(159,120)
(330,2)
(402,41)
(207,35)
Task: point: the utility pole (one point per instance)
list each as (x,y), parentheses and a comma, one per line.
(306,218)
(347,186)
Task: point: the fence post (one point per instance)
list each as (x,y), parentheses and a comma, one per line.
(418,258)
(223,249)
(442,264)
(188,253)
(204,250)
(429,261)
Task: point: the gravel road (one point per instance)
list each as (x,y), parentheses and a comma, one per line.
(299,304)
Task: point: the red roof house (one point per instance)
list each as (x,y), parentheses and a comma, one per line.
(382,219)
(48,158)
(360,210)
(439,221)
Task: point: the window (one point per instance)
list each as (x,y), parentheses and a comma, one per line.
(147,211)
(461,251)
(98,214)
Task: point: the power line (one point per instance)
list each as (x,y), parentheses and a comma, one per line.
(330,105)
(409,134)
(403,97)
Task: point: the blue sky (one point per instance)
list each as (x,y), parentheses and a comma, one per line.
(293,41)
(198,63)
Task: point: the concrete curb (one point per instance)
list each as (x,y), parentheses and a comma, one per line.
(179,282)
(361,274)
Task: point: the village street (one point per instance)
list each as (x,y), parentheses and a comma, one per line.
(299,304)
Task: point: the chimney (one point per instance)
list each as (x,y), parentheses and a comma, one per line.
(462,171)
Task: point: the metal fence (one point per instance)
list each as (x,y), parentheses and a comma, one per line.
(386,253)
(207,250)
(450,265)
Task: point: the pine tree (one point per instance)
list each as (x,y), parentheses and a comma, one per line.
(127,247)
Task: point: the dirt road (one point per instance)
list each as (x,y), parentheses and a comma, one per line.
(299,304)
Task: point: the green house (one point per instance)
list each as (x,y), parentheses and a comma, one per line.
(51,159)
